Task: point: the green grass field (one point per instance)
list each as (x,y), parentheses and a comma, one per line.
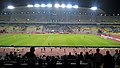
(55,40)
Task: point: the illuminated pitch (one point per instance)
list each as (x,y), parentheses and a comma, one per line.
(55,40)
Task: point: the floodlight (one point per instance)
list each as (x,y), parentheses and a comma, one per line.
(29,5)
(10,7)
(69,6)
(56,5)
(63,6)
(36,5)
(49,5)
(75,6)
(43,5)
(93,8)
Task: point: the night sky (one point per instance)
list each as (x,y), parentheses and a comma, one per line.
(109,6)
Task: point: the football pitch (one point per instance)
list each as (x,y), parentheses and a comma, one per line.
(55,40)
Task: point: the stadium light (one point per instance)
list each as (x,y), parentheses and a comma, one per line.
(49,5)
(43,5)
(63,6)
(36,5)
(56,5)
(29,5)
(94,8)
(95,14)
(10,7)
(75,6)
(69,6)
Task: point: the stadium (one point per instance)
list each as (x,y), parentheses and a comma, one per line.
(57,30)
(47,24)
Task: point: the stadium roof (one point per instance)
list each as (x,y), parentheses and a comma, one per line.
(34,8)
(109,6)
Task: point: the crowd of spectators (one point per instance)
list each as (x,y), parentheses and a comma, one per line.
(52,29)
(58,28)
(96,60)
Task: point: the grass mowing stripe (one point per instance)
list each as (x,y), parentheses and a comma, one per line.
(6,41)
(83,40)
(40,40)
(20,40)
(76,42)
(103,41)
(46,41)
(96,40)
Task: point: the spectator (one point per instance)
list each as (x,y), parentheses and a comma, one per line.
(81,57)
(15,55)
(76,56)
(86,56)
(44,59)
(108,61)
(70,56)
(6,57)
(30,56)
(98,59)
(11,55)
(19,58)
(116,57)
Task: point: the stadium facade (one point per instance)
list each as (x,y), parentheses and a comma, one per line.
(60,20)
